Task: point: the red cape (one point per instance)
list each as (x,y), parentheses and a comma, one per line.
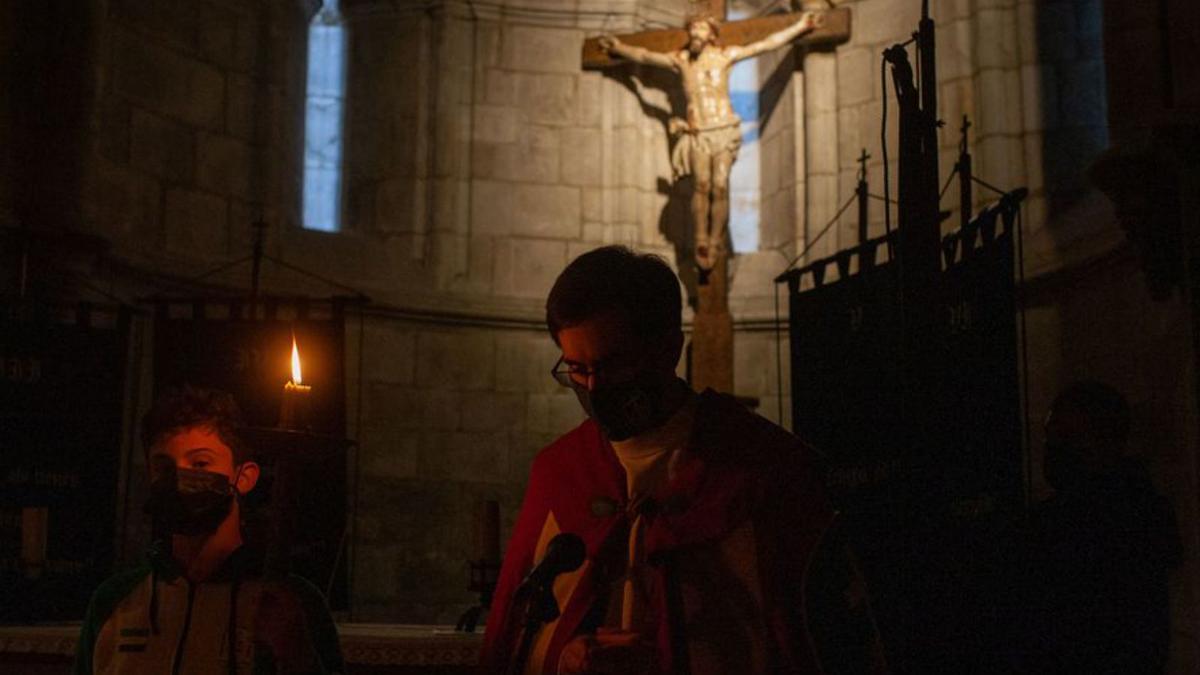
(738,466)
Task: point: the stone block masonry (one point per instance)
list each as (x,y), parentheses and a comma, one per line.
(479,160)
(456,418)
(187,108)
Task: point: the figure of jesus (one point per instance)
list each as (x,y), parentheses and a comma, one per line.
(707,142)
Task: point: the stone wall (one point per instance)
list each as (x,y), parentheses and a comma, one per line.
(450,416)
(192,135)
(480,160)
(1030,77)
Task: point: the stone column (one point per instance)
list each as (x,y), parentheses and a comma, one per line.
(821,151)
(800,157)
(820,145)
(455,125)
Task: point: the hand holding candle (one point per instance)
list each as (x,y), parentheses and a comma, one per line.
(293,411)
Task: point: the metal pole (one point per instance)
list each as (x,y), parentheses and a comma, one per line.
(964,176)
(863,197)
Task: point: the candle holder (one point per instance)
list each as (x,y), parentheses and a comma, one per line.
(298,463)
(483,577)
(293,409)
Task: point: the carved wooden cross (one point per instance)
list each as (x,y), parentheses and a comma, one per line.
(835,31)
(712,335)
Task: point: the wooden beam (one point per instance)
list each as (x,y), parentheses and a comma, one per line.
(713,7)
(835,31)
(666,40)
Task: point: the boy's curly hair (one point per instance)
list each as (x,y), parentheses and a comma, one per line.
(187,406)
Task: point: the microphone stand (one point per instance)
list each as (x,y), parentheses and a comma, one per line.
(541,608)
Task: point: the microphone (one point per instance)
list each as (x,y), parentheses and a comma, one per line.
(564,553)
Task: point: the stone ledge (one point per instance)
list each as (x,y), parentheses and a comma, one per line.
(752,313)
(362,643)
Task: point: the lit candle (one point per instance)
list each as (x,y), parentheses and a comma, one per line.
(296,395)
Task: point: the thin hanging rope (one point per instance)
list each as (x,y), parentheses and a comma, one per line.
(946,186)
(993,188)
(314,275)
(86,283)
(218,269)
(822,233)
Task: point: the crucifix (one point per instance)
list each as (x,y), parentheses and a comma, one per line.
(705,143)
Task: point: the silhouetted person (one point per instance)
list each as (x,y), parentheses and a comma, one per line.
(1092,591)
(711,546)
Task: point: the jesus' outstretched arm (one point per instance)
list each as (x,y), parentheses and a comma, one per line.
(614,46)
(807,23)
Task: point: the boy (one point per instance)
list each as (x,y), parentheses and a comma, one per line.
(199,603)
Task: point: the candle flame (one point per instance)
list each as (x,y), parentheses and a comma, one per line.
(296,379)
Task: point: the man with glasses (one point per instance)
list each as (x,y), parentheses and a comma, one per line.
(711,545)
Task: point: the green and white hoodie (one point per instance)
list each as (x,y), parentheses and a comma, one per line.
(153,620)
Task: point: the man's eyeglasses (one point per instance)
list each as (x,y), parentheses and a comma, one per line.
(571,374)
(577,375)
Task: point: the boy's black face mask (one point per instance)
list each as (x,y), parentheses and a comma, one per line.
(188,501)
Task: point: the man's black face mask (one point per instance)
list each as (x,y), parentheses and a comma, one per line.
(188,501)
(626,409)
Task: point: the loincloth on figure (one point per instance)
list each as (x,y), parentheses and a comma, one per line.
(692,146)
